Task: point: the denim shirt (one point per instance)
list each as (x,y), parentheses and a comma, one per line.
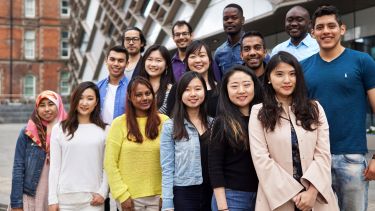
(180,160)
(27,167)
(120,97)
(228,55)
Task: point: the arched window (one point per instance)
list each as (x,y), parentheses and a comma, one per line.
(29,83)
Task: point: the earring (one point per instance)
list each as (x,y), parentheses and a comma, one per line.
(269,82)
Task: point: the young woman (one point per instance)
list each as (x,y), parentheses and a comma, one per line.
(156,66)
(132,158)
(199,59)
(231,169)
(289,143)
(77,180)
(31,159)
(183,148)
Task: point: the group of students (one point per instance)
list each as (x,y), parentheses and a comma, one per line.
(197,144)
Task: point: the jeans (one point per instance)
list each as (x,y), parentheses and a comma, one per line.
(237,200)
(348,181)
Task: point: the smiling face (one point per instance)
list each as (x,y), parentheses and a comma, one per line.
(253,52)
(141,98)
(297,22)
(87,103)
(116,63)
(241,91)
(199,61)
(232,20)
(194,94)
(328,32)
(182,37)
(47,110)
(155,64)
(283,80)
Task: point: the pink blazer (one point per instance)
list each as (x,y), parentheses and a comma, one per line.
(272,157)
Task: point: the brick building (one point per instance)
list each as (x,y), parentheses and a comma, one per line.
(34,48)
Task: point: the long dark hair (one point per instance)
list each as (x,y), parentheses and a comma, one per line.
(179,110)
(305,110)
(166,78)
(195,46)
(153,119)
(229,124)
(70,125)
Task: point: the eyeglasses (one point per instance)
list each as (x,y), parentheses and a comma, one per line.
(184,34)
(134,39)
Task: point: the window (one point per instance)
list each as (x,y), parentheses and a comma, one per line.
(146,7)
(84,43)
(29,44)
(29,8)
(64,45)
(29,86)
(64,8)
(64,83)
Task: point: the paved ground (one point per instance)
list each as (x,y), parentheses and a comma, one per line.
(8,137)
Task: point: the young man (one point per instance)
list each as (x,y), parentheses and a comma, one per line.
(300,44)
(183,35)
(342,80)
(253,52)
(113,88)
(228,54)
(135,42)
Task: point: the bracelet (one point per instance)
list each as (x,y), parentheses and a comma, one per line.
(373,156)
(225,209)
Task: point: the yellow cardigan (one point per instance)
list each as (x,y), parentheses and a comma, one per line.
(133,169)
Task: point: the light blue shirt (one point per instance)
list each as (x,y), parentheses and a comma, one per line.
(306,48)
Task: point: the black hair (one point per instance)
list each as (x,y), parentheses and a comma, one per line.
(182,23)
(229,125)
(326,10)
(166,78)
(143,39)
(305,110)
(179,110)
(238,7)
(253,34)
(195,46)
(119,49)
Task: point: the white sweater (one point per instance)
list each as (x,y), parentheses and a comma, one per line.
(76,165)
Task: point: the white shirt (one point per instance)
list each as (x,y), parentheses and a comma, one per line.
(76,165)
(109,103)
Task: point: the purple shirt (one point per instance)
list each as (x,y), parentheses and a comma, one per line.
(179,68)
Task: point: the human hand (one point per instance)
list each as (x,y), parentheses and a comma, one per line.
(53,207)
(369,172)
(127,205)
(305,200)
(97,199)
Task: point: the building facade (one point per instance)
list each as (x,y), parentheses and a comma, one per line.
(98,24)
(34,43)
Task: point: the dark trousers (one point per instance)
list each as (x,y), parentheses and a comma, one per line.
(192,198)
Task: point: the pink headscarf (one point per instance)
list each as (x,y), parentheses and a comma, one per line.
(31,128)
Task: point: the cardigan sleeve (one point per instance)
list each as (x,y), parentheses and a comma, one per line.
(319,171)
(277,184)
(116,136)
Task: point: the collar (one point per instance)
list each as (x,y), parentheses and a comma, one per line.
(237,43)
(307,41)
(176,57)
(123,80)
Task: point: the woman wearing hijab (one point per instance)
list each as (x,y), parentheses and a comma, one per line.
(31,159)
